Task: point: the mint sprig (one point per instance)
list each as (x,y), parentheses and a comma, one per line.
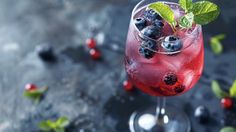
(216,45)
(36,95)
(202,12)
(228,129)
(205,12)
(186,5)
(165,12)
(55,126)
(217,90)
(186,21)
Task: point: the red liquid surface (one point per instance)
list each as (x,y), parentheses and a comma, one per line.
(148,74)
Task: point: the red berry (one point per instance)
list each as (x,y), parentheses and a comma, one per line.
(91,43)
(95,54)
(127,84)
(227,103)
(30,87)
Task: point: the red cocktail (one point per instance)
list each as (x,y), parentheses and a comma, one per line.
(163,59)
(165,72)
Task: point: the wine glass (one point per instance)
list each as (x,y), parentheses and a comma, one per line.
(167,65)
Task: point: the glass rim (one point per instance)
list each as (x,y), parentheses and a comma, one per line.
(194,29)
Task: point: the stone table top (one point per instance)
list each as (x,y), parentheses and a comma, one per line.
(89,92)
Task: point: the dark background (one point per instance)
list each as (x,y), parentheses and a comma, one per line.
(90,92)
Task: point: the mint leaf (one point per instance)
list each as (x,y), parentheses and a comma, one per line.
(62,122)
(217,90)
(219,37)
(216,45)
(186,21)
(232,90)
(186,4)
(56,126)
(228,129)
(165,12)
(44,126)
(205,12)
(59,129)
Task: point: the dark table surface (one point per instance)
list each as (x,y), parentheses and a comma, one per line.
(90,92)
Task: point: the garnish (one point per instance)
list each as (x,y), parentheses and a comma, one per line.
(202,12)
(186,4)
(56,126)
(228,129)
(186,21)
(217,90)
(205,12)
(165,12)
(36,94)
(216,45)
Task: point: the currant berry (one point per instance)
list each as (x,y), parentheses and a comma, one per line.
(30,87)
(127,84)
(91,43)
(95,54)
(227,103)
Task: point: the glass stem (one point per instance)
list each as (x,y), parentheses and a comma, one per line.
(160,111)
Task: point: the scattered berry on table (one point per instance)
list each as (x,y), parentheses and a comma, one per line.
(201,114)
(45,52)
(172,43)
(95,54)
(30,87)
(91,43)
(147,49)
(140,23)
(152,32)
(170,79)
(227,103)
(127,84)
(151,15)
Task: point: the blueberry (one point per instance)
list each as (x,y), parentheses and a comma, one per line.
(152,15)
(152,32)
(158,23)
(45,52)
(172,43)
(201,114)
(145,51)
(179,88)
(170,79)
(140,23)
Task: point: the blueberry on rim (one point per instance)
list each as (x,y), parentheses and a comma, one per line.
(147,48)
(140,23)
(152,15)
(172,43)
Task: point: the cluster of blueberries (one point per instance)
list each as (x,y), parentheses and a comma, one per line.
(151,24)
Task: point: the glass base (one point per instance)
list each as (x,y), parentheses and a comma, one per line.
(174,120)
